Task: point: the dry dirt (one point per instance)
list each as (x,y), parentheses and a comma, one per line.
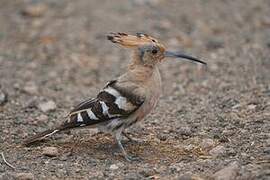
(210,123)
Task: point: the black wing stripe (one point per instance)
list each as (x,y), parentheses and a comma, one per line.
(81,118)
(114,110)
(106,97)
(98,111)
(84,105)
(85,117)
(109,100)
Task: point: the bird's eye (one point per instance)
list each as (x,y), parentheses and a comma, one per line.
(154,51)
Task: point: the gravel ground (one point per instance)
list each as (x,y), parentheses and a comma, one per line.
(211,123)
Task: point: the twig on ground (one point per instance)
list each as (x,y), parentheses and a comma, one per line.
(7,163)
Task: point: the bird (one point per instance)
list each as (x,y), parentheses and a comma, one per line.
(125,100)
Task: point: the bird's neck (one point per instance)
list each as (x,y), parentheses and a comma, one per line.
(141,73)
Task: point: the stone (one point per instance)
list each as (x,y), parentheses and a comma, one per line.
(189,147)
(30,103)
(24,176)
(3,97)
(42,118)
(228,173)
(31,88)
(189,176)
(185,131)
(35,10)
(252,106)
(50,151)
(113,167)
(47,106)
(217,151)
(162,136)
(148,172)
(207,143)
(132,176)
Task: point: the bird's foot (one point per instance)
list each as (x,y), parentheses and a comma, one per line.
(130,158)
(126,156)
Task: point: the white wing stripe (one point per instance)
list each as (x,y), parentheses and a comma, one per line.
(80,119)
(105,109)
(91,114)
(120,101)
(112,91)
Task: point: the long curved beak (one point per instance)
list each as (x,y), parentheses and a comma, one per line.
(181,55)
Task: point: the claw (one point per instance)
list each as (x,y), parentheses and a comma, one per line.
(126,156)
(132,158)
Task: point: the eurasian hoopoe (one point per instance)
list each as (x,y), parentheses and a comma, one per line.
(127,99)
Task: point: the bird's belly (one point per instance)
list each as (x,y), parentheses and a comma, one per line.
(151,102)
(148,106)
(111,125)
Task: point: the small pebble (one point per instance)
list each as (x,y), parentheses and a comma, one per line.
(252,106)
(186,176)
(42,118)
(3,97)
(227,173)
(50,151)
(31,88)
(189,147)
(162,137)
(185,131)
(35,10)
(174,168)
(217,151)
(113,167)
(24,176)
(147,172)
(207,143)
(47,106)
(30,103)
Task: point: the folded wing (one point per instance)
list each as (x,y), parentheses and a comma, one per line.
(114,101)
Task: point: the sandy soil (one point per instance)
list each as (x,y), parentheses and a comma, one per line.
(210,123)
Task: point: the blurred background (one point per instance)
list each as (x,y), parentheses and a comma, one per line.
(210,122)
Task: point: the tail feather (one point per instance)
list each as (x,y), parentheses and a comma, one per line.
(40,136)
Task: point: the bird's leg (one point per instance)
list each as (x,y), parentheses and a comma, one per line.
(126,156)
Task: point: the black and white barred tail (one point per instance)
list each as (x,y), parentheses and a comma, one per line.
(113,103)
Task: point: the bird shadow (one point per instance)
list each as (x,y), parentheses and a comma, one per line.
(104,147)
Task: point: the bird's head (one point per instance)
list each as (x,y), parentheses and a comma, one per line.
(149,50)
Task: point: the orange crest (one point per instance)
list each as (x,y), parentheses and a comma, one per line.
(131,41)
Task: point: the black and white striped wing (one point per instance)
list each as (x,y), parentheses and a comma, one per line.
(111,103)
